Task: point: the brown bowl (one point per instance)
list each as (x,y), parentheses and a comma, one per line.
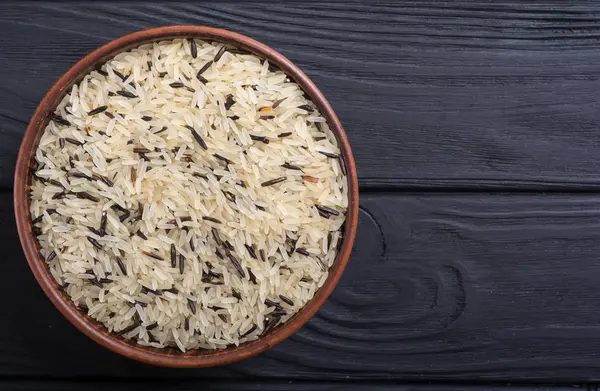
(96,331)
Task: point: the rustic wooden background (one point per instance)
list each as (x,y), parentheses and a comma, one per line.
(476,132)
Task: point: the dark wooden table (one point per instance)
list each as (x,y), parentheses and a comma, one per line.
(476,132)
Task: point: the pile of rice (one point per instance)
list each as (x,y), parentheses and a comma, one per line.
(188,194)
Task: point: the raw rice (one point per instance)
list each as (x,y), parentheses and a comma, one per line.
(187,194)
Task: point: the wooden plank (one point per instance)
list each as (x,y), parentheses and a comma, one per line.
(440,287)
(433,94)
(257,385)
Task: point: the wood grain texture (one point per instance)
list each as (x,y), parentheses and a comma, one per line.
(432,94)
(440,287)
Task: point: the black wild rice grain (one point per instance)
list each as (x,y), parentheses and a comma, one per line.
(124,216)
(223,158)
(37,231)
(98,110)
(37,219)
(94,242)
(119,208)
(190,89)
(152,326)
(291,167)
(327,210)
(176,84)
(202,79)
(228,245)
(109,115)
(181,263)
(235,117)
(284,134)
(278,102)
(141,150)
(103,73)
(198,175)
(51,256)
(61,142)
(218,253)
(51,211)
(301,250)
(95,281)
(172,290)
(149,63)
(251,276)
(260,207)
(262,255)
(104,179)
(192,306)
(103,221)
(60,120)
(110,93)
(129,328)
(59,196)
(251,251)
(229,102)
(271,303)
(216,236)
(307,108)
(323,214)
(122,76)
(342,165)
(152,255)
(73,141)
(215,274)
(329,154)
(203,69)
(80,175)
(94,230)
(162,74)
(55,183)
(193,48)
(219,54)
(161,130)
(320,138)
(105,280)
(86,196)
(141,235)
(192,246)
(258,138)
(250,331)
(173,256)
(208,218)
(223,317)
(319,126)
(186,324)
(229,195)
(267,117)
(237,265)
(273,181)
(286,300)
(146,118)
(127,94)
(197,137)
(121,266)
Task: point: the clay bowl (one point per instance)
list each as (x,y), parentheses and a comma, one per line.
(95,330)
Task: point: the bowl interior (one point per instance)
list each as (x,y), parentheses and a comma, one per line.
(94,329)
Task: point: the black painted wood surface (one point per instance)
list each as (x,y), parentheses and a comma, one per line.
(475,128)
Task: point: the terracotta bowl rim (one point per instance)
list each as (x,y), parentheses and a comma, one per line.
(93,329)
